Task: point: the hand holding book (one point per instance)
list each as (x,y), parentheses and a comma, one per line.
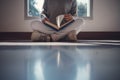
(61,20)
(45,19)
(68,17)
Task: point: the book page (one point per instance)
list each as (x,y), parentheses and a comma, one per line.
(59,20)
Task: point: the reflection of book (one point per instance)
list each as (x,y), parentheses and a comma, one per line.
(60,23)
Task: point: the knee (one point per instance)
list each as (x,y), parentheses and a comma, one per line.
(35,36)
(79,21)
(35,24)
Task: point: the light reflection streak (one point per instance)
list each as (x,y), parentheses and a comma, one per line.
(38,71)
(58,58)
(83,73)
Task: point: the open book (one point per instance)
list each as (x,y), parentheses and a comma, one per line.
(60,25)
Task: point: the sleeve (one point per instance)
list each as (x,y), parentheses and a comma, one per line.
(73,10)
(44,12)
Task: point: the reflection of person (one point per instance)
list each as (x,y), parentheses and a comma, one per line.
(53,8)
(56,63)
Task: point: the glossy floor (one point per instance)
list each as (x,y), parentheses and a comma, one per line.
(100,62)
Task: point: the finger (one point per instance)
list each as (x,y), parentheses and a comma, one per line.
(67,19)
(66,15)
(47,19)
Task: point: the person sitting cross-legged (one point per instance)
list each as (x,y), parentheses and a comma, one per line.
(52,9)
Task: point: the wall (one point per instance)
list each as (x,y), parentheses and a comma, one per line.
(13,17)
(106,17)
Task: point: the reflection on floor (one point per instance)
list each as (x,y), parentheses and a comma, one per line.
(98,62)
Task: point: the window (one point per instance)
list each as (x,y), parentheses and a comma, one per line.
(83,8)
(34,8)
